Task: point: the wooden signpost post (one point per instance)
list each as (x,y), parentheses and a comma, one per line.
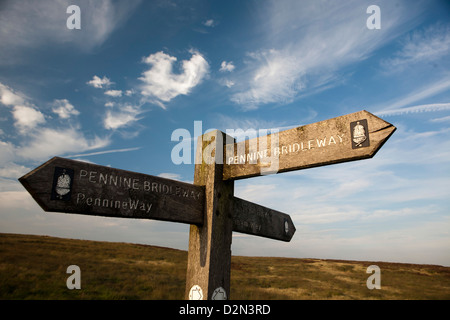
(208,205)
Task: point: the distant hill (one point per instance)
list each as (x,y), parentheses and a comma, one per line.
(34,267)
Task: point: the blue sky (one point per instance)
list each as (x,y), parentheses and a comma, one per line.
(114,91)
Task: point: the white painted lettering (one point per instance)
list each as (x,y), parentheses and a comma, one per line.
(83,173)
(103,177)
(136,184)
(93,176)
(80,197)
(331,140)
(127,183)
(276,151)
(303,149)
(321,142)
(133,204)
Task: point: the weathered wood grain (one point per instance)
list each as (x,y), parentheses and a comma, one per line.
(318,144)
(209,255)
(105,191)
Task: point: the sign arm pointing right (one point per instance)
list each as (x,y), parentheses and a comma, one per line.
(346,138)
(254,219)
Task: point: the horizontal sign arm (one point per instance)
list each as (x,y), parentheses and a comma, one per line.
(69,186)
(254,219)
(350,137)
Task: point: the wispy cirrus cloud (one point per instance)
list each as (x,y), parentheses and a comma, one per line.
(277,78)
(103,152)
(425,45)
(431,107)
(442,119)
(30,24)
(304,44)
(408,103)
(123,115)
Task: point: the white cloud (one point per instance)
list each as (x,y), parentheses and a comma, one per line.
(98,82)
(442,119)
(161,84)
(27,118)
(276,79)
(13,171)
(124,116)
(116,120)
(227,66)
(209,23)
(415,109)
(8,97)
(64,109)
(114,93)
(25,115)
(227,83)
(49,142)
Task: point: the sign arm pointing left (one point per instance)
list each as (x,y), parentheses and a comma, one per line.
(69,186)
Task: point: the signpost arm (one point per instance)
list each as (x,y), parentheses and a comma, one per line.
(209,256)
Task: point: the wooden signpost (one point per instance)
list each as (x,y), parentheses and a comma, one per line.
(208,205)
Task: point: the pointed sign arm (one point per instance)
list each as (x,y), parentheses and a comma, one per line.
(254,219)
(350,137)
(69,186)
